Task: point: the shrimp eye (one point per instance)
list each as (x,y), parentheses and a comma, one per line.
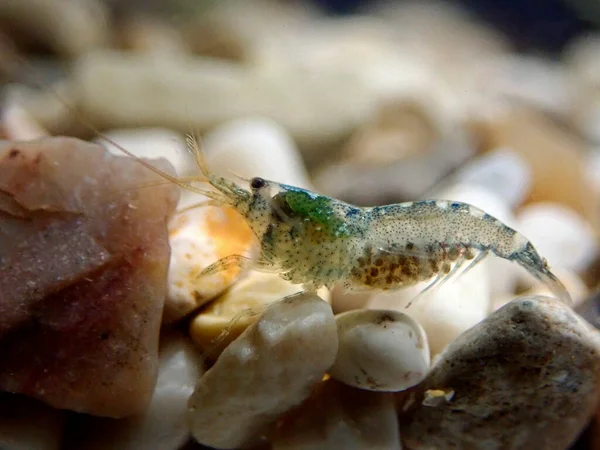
(257,183)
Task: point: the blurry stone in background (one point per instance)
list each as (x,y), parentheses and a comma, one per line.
(555,156)
(146,34)
(582,58)
(406,179)
(66,28)
(398,130)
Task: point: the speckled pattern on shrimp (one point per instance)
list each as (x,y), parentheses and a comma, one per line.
(411,242)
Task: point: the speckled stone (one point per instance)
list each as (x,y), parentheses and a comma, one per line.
(526,377)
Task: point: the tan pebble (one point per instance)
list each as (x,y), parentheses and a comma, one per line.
(342,300)
(271,368)
(555,156)
(528,80)
(581,58)
(496,181)
(54,116)
(18,125)
(593,167)
(526,377)
(150,35)
(237,30)
(212,330)
(400,129)
(199,238)
(336,417)
(202,92)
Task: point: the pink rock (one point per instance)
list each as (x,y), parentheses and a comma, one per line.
(83,271)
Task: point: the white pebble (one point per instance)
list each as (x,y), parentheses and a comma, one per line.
(380,350)
(163,425)
(269,369)
(255,147)
(122,89)
(559,234)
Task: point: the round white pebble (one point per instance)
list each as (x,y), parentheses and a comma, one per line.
(380,350)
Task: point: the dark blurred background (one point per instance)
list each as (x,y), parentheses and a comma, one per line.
(532,25)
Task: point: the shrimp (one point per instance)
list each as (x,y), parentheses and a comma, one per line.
(314,240)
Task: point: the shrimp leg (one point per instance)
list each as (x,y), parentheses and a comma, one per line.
(227,263)
(442,278)
(438,281)
(480,257)
(237,261)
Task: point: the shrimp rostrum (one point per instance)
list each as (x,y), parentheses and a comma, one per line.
(314,240)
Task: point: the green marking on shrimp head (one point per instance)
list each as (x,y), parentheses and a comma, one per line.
(319,210)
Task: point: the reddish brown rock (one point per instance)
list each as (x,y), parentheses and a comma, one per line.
(83,271)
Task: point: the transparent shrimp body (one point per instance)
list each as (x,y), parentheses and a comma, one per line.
(316,240)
